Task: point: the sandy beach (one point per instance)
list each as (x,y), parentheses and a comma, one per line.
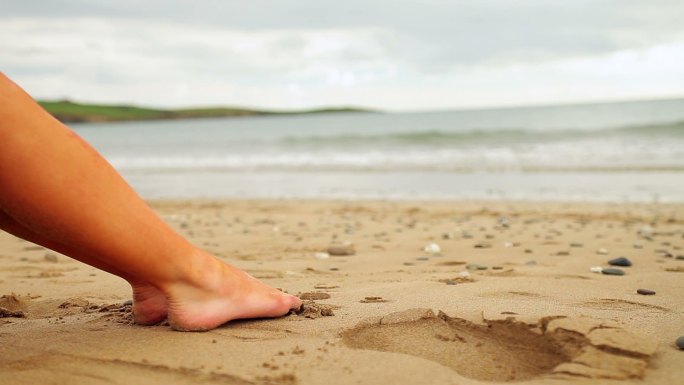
(428,292)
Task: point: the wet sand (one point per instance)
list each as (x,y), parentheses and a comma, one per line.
(505,294)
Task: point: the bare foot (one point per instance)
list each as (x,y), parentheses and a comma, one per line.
(214,293)
(149,304)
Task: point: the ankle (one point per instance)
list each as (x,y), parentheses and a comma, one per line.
(198,269)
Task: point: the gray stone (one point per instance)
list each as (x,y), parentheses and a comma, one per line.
(680,342)
(474,266)
(50,257)
(621,261)
(612,271)
(342,249)
(645,292)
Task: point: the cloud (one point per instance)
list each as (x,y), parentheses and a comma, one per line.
(307,53)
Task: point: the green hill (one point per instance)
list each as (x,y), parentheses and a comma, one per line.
(70,112)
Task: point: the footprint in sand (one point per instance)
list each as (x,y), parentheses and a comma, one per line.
(508,350)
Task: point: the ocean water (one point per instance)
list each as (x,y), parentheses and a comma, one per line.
(619,152)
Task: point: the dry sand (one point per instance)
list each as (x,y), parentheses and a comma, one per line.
(388,313)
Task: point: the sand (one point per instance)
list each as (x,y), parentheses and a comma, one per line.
(529,309)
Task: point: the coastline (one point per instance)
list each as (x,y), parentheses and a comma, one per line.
(535,290)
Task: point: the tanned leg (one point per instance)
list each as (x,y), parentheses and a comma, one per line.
(56,185)
(149,304)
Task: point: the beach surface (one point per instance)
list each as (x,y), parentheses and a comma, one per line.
(427,292)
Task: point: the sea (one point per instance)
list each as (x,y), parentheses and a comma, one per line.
(609,152)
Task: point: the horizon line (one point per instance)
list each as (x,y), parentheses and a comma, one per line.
(374,109)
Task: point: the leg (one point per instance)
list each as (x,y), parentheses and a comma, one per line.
(149,304)
(56,185)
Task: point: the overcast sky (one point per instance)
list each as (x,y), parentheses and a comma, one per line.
(388,54)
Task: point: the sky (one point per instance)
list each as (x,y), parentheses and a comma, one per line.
(395,55)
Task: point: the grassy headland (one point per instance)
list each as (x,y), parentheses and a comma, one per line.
(70,112)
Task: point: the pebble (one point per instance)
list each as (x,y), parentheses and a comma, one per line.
(447,236)
(531,263)
(680,257)
(596,269)
(680,342)
(576,244)
(638,246)
(503,221)
(422,259)
(50,257)
(474,266)
(621,261)
(497,267)
(432,248)
(483,245)
(322,255)
(342,249)
(601,251)
(645,292)
(451,282)
(466,235)
(612,271)
(646,231)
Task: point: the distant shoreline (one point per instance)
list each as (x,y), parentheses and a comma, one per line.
(71,112)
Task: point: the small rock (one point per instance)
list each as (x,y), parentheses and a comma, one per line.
(680,342)
(638,246)
(528,251)
(322,255)
(334,269)
(127,303)
(503,221)
(447,236)
(497,267)
(602,251)
(432,248)
(680,257)
(621,261)
(10,313)
(466,235)
(576,244)
(342,249)
(422,259)
(530,263)
(450,282)
(645,292)
(50,257)
(646,231)
(474,266)
(508,244)
(596,269)
(483,245)
(612,271)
